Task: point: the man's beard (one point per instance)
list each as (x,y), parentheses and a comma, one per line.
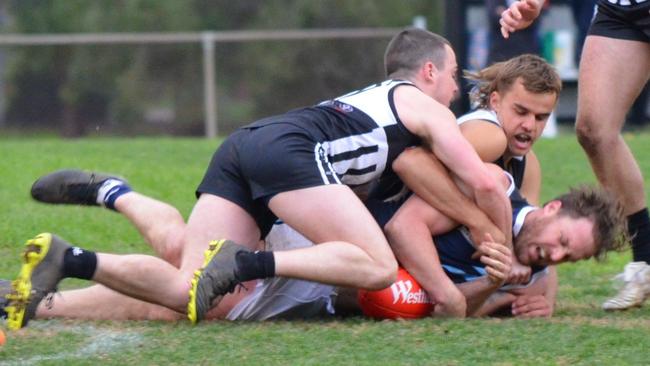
(527,236)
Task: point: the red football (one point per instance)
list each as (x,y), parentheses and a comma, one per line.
(403,299)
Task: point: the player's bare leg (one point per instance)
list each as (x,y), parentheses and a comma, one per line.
(351,249)
(101,303)
(612,74)
(154,280)
(143,277)
(159,223)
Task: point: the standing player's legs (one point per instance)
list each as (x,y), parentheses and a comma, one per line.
(612,74)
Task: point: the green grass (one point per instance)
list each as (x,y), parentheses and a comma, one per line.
(170,169)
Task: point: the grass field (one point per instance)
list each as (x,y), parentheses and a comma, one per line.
(579,333)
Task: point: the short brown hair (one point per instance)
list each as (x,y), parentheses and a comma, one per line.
(605,210)
(410,48)
(537,75)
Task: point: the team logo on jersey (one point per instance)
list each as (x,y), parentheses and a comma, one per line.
(342,107)
(402,293)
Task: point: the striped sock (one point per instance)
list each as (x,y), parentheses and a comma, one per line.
(111,190)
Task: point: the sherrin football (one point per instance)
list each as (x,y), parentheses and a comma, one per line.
(404,299)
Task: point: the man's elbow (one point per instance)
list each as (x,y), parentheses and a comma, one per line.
(487,187)
(407,161)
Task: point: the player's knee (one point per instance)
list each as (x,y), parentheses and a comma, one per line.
(173,248)
(587,135)
(383,276)
(597,135)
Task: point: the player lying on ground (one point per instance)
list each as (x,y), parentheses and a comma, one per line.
(294,167)
(541,238)
(579,225)
(514,99)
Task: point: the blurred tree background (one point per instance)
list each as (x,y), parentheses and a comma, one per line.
(86,90)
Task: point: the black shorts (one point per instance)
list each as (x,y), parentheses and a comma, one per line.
(256,163)
(630,23)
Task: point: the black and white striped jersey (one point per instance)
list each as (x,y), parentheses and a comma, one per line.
(622,2)
(358,135)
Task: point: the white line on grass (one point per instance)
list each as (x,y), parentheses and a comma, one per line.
(100,342)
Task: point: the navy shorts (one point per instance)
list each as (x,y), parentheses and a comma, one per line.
(630,23)
(257,162)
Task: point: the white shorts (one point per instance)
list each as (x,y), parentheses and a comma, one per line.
(285,298)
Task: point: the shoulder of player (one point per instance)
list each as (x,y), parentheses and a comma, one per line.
(487,138)
(416,108)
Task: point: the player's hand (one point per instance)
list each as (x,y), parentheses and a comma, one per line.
(519,274)
(450,303)
(478,231)
(532,306)
(519,16)
(497,259)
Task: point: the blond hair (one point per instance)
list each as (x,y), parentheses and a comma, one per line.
(537,76)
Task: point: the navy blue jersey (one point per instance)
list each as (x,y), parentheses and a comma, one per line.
(455,248)
(516,166)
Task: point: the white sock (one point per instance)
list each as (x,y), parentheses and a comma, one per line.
(106,188)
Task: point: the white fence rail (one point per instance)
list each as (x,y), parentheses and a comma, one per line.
(206,39)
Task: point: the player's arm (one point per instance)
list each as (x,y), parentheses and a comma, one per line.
(418,167)
(520,15)
(536,300)
(498,260)
(409,233)
(437,127)
(425,175)
(488,139)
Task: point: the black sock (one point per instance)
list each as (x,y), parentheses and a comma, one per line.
(639,230)
(254,265)
(79,263)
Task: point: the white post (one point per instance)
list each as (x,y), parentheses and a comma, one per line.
(209,85)
(420,21)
